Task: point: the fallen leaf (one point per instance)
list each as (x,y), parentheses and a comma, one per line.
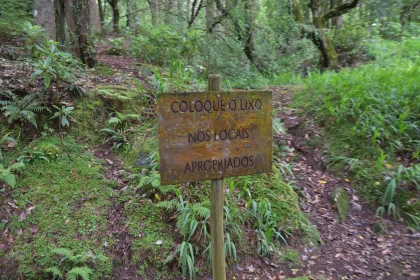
(157,197)
(34,229)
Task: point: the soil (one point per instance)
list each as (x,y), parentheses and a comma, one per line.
(350,250)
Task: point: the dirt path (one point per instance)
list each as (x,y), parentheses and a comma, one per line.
(352,249)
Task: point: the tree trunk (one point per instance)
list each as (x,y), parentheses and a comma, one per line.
(60,22)
(250,8)
(153,11)
(210,12)
(115,14)
(77,15)
(168,11)
(95,21)
(337,21)
(101,12)
(329,56)
(44,16)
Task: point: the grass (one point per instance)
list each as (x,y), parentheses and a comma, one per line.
(371,116)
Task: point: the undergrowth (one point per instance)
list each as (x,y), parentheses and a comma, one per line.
(371,116)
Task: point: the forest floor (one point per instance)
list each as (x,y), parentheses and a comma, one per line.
(353,249)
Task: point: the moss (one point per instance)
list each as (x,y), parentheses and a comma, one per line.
(104,70)
(116,51)
(70,201)
(123,99)
(290,256)
(148,225)
(50,150)
(91,116)
(340,199)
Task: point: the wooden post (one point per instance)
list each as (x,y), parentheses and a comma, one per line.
(216,211)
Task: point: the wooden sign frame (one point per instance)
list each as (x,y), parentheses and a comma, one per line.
(214,135)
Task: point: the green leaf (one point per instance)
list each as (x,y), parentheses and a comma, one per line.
(36,73)
(47,81)
(64,121)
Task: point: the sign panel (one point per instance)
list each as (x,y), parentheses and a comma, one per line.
(213,135)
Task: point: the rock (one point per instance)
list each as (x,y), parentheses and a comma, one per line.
(340,199)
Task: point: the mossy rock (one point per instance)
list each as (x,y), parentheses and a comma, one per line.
(116,52)
(91,116)
(120,98)
(340,199)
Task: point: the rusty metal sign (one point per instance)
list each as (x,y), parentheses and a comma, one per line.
(213,135)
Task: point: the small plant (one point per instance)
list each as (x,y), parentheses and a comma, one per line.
(22,109)
(32,156)
(259,215)
(63,114)
(6,173)
(185,255)
(6,138)
(402,176)
(119,133)
(73,266)
(192,224)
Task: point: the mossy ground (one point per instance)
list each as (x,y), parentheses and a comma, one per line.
(69,201)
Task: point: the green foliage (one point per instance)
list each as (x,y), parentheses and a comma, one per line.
(22,109)
(63,114)
(5,139)
(162,44)
(7,175)
(259,215)
(73,266)
(53,66)
(186,258)
(120,131)
(371,115)
(15,13)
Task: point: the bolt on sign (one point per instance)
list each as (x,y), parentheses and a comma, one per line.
(213,135)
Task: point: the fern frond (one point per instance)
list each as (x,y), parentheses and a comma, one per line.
(7,177)
(55,272)
(66,253)
(168,205)
(83,271)
(201,211)
(16,166)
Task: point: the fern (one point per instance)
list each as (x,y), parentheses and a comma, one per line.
(23,109)
(83,271)
(7,176)
(55,272)
(168,205)
(201,211)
